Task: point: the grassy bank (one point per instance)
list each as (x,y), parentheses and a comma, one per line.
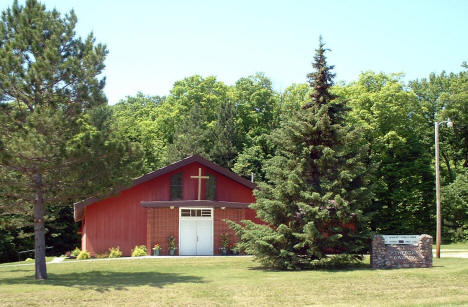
(231,281)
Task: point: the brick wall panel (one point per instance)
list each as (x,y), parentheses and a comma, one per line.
(220,226)
(162,222)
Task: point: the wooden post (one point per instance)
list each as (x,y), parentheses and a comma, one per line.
(437,171)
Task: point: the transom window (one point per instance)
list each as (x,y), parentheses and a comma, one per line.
(195,212)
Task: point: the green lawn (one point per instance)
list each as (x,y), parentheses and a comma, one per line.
(25,262)
(458,245)
(231,281)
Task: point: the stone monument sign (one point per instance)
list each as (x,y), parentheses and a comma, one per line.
(401,251)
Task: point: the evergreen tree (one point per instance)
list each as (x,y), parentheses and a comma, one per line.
(191,136)
(315,186)
(55,141)
(225,136)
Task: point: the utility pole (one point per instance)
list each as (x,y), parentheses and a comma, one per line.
(437,172)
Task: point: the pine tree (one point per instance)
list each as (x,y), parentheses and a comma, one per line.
(314,186)
(225,136)
(191,137)
(217,141)
(55,142)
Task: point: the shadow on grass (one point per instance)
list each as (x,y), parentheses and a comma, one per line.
(19,270)
(348,268)
(103,281)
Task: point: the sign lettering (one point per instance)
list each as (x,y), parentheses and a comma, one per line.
(401,239)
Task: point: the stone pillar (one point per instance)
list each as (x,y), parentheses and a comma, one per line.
(425,247)
(377,250)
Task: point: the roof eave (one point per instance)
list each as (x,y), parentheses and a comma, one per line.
(193,203)
(78,214)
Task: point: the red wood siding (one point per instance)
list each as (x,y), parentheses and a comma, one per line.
(121,221)
(251,214)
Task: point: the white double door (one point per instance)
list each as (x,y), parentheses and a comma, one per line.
(196,236)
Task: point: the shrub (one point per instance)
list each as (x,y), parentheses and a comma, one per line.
(115,252)
(103,255)
(83,255)
(28,259)
(338,261)
(139,250)
(75,252)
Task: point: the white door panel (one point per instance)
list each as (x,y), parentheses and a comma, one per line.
(205,238)
(188,237)
(196,237)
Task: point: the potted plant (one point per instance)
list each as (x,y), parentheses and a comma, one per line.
(156,249)
(234,251)
(225,244)
(172,245)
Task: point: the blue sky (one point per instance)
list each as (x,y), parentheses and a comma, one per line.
(152,44)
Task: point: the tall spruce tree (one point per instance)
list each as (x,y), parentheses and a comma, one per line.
(315,186)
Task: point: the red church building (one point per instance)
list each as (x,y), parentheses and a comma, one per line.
(188,199)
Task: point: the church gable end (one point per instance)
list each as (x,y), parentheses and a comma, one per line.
(157,200)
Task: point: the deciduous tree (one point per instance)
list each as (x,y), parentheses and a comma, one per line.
(394,125)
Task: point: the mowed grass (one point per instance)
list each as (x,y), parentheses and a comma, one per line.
(457,245)
(235,281)
(25,261)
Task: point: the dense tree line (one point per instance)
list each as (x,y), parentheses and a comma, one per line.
(202,115)
(238,126)
(233,126)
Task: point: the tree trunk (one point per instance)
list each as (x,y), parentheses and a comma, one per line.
(39,233)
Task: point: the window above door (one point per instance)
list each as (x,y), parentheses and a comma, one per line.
(202,212)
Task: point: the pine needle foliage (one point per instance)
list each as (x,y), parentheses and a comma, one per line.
(56,141)
(315,186)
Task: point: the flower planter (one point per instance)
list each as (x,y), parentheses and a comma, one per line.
(172,252)
(224,251)
(156,252)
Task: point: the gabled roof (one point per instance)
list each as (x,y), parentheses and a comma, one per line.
(79,206)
